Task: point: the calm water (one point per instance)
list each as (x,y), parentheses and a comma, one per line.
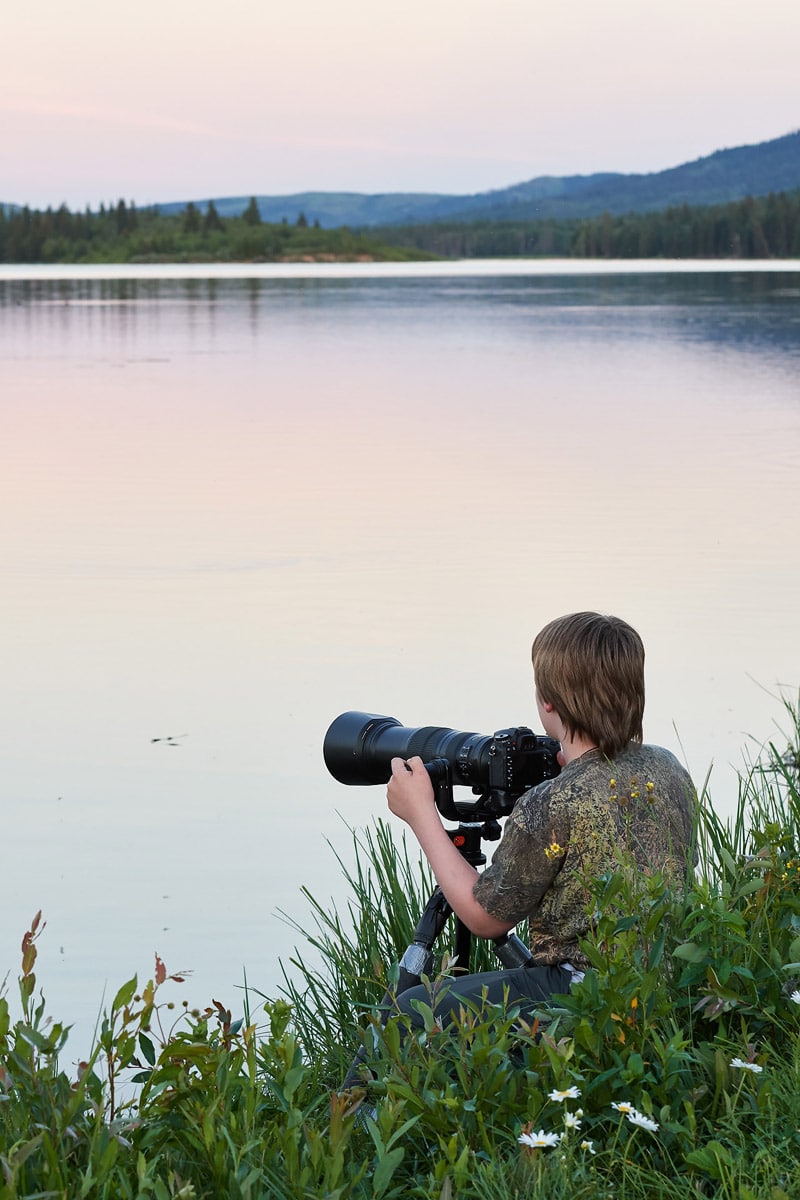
(235,507)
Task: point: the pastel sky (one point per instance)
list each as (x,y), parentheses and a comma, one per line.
(176,100)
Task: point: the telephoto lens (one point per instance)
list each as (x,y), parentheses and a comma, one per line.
(359,748)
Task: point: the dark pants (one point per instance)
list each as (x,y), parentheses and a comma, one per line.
(521,990)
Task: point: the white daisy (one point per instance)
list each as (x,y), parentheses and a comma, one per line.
(746,1066)
(587,1145)
(572,1120)
(623,1107)
(540,1139)
(570,1093)
(795,996)
(637,1118)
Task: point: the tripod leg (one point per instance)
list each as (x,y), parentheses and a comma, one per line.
(416,961)
(463,946)
(433,919)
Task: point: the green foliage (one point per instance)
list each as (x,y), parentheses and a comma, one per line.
(673,1069)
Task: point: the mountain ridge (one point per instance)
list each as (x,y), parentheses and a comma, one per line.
(717,178)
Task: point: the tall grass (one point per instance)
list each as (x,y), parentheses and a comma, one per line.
(673,1070)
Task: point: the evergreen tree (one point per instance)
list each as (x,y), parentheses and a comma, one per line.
(121,215)
(190,219)
(251,215)
(212,221)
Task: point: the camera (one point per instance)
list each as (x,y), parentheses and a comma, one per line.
(499,767)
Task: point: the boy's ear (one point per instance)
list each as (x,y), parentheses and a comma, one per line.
(548,707)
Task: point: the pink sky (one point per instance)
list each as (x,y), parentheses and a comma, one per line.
(169,100)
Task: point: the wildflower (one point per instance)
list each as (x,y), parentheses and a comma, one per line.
(553,850)
(572,1120)
(587,1145)
(746,1066)
(540,1139)
(795,996)
(624,1107)
(637,1118)
(570,1093)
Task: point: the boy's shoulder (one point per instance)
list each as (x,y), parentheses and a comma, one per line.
(634,763)
(639,771)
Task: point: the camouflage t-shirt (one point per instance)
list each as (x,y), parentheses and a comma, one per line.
(575,826)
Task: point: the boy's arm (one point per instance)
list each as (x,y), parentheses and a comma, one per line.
(410,796)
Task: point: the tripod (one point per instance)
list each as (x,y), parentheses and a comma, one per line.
(417,959)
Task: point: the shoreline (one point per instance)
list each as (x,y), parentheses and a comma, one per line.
(333,267)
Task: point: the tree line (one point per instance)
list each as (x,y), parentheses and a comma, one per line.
(764,227)
(123,233)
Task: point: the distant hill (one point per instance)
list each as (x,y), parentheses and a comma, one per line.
(718,178)
(332,209)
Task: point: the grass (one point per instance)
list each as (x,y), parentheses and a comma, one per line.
(673,1070)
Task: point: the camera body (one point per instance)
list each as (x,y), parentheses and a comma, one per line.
(358,749)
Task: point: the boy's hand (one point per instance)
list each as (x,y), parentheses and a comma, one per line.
(410,791)
(410,796)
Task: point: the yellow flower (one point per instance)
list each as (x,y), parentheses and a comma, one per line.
(553,850)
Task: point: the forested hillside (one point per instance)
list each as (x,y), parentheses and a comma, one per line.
(719,178)
(763,228)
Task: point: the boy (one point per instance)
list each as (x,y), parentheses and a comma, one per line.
(613,794)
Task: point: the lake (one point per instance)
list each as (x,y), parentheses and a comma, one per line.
(240,501)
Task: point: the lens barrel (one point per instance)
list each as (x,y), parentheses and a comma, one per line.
(359,748)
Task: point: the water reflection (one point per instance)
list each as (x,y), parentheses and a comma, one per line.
(726,308)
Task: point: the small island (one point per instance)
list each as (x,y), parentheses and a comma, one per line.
(123,233)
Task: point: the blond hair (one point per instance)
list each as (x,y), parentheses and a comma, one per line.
(590,667)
